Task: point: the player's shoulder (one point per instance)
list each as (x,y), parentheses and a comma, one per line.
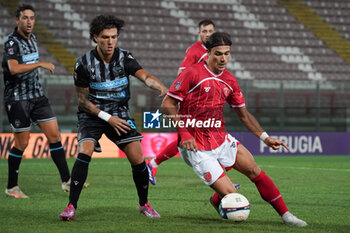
(11,40)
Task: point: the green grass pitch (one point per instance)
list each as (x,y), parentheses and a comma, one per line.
(315,188)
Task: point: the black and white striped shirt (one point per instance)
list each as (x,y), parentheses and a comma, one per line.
(23,86)
(109,87)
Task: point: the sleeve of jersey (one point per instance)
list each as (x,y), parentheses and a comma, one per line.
(188,60)
(81,79)
(131,65)
(236,98)
(11,50)
(180,87)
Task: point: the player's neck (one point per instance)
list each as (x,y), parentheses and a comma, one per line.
(106,58)
(24,35)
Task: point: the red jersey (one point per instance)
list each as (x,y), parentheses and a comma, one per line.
(202,95)
(194,54)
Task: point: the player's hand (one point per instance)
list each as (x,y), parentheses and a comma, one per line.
(163,92)
(274,143)
(189,145)
(120,125)
(49,66)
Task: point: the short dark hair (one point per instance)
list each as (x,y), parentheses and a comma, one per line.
(205,22)
(101,22)
(218,39)
(23,7)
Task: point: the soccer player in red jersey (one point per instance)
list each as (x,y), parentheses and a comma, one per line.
(201,91)
(196,53)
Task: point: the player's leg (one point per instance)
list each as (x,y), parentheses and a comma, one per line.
(152,164)
(58,155)
(133,151)
(78,178)
(268,191)
(43,114)
(14,161)
(20,122)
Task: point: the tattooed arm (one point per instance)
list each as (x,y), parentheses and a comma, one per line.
(120,125)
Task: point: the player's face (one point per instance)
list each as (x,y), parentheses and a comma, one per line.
(106,41)
(218,58)
(25,22)
(205,32)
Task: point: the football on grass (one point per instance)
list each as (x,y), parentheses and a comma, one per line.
(235,207)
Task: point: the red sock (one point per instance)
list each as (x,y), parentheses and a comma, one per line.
(216,199)
(169,152)
(270,193)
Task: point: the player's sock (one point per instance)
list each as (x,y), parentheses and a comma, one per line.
(167,153)
(216,199)
(270,193)
(59,158)
(79,175)
(14,160)
(140,176)
(154,163)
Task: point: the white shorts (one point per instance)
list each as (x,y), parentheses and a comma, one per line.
(209,164)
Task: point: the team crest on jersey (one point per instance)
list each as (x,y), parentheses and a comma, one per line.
(226,91)
(207,176)
(177,85)
(10,51)
(207,89)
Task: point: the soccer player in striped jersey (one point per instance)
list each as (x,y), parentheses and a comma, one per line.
(196,53)
(202,90)
(103,87)
(25,101)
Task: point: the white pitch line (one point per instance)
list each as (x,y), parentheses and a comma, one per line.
(309,168)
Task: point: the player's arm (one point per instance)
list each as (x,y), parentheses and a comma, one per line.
(151,81)
(253,126)
(169,108)
(120,125)
(16,68)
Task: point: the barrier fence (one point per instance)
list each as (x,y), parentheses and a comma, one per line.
(306,143)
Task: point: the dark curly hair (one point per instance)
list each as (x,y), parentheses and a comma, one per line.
(23,7)
(218,39)
(102,22)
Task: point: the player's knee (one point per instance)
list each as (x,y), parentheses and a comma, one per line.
(22,145)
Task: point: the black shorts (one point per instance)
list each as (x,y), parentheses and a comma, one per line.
(91,128)
(22,113)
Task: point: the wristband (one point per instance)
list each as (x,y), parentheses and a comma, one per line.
(104,116)
(263,136)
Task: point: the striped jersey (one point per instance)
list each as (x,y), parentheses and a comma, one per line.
(23,86)
(108,83)
(196,53)
(202,95)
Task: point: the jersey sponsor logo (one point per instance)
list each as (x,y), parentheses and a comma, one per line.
(207,176)
(30,57)
(151,120)
(111,95)
(207,89)
(109,85)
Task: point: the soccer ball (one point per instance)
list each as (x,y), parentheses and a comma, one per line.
(235,207)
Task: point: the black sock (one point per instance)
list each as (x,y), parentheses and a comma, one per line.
(59,158)
(14,160)
(79,175)
(140,176)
